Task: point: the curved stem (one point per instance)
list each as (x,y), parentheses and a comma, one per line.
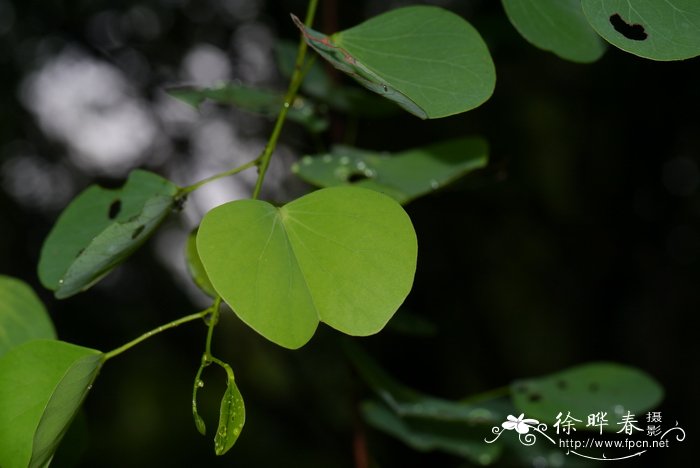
(235,170)
(294,84)
(155,331)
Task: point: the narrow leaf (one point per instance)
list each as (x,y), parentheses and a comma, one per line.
(231,418)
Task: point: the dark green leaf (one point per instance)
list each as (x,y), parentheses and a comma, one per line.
(231,418)
(428,60)
(402,176)
(100,229)
(42,384)
(195,267)
(22,315)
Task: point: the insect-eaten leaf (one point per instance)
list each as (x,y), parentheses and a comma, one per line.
(558,26)
(100,229)
(428,60)
(403,176)
(255,100)
(653,29)
(42,384)
(195,267)
(345,256)
(587,389)
(22,315)
(231,418)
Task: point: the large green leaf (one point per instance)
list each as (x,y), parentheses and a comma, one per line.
(558,26)
(428,60)
(42,384)
(654,29)
(402,176)
(587,389)
(100,229)
(256,100)
(22,315)
(343,255)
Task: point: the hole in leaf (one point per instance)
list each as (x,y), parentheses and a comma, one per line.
(562,384)
(137,231)
(357,176)
(114,209)
(534,397)
(593,387)
(634,32)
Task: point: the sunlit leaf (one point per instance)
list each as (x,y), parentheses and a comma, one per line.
(344,255)
(231,418)
(22,315)
(100,229)
(587,389)
(558,26)
(428,60)
(42,384)
(654,29)
(402,176)
(256,100)
(195,267)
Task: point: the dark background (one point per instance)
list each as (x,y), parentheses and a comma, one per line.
(579,242)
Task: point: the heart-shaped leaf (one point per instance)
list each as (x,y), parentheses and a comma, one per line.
(402,176)
(653,29)
(195,267)
(344,255)
(587,389)
(428,60)
(100,229)
(22,315)
(42,384)
(558,26)
(231,418)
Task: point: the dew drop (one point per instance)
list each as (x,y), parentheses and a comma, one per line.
(434,184)
(370,173)
(345,160)
(200,383)
(286,105)
(327,158)
(361,166)
(236,431)
(306,160)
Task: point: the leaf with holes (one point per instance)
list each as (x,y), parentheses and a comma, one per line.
(255,100)
(587,389)
(100,229)
(231,418)
(22,315)
(653,29)
(42,384)
(402,176)
(195,267)
(428,60)
(558,26)
(345,256)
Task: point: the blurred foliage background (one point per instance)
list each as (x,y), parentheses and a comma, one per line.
(579,242)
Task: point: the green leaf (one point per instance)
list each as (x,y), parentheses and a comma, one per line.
(402,176)
(42,384)
(255,100)
(653,29)
(100,229)
(344,255)
(587,389)
(428,60)
(195,267)
(558,26)
(231,418)
(22,315)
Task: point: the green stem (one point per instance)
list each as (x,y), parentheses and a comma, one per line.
(213,320)
(235,170)
(294,84)
(487,395)
(155,331)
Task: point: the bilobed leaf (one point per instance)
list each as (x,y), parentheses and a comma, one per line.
(22,315)
(42,384)
(653,29)
(100,229)
(558,26)
(402,176)
(255,100)
(343,255)
(428,60)
(231,418)
(587,389)
(195,267)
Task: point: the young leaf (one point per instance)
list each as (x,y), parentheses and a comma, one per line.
(344,255)
(100,229)
(256,100)
(558,26)
(231,418)
(428,60)
(195,267)
(22,315)
(653,29)
(587,389)
(42,384)
(402,176)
